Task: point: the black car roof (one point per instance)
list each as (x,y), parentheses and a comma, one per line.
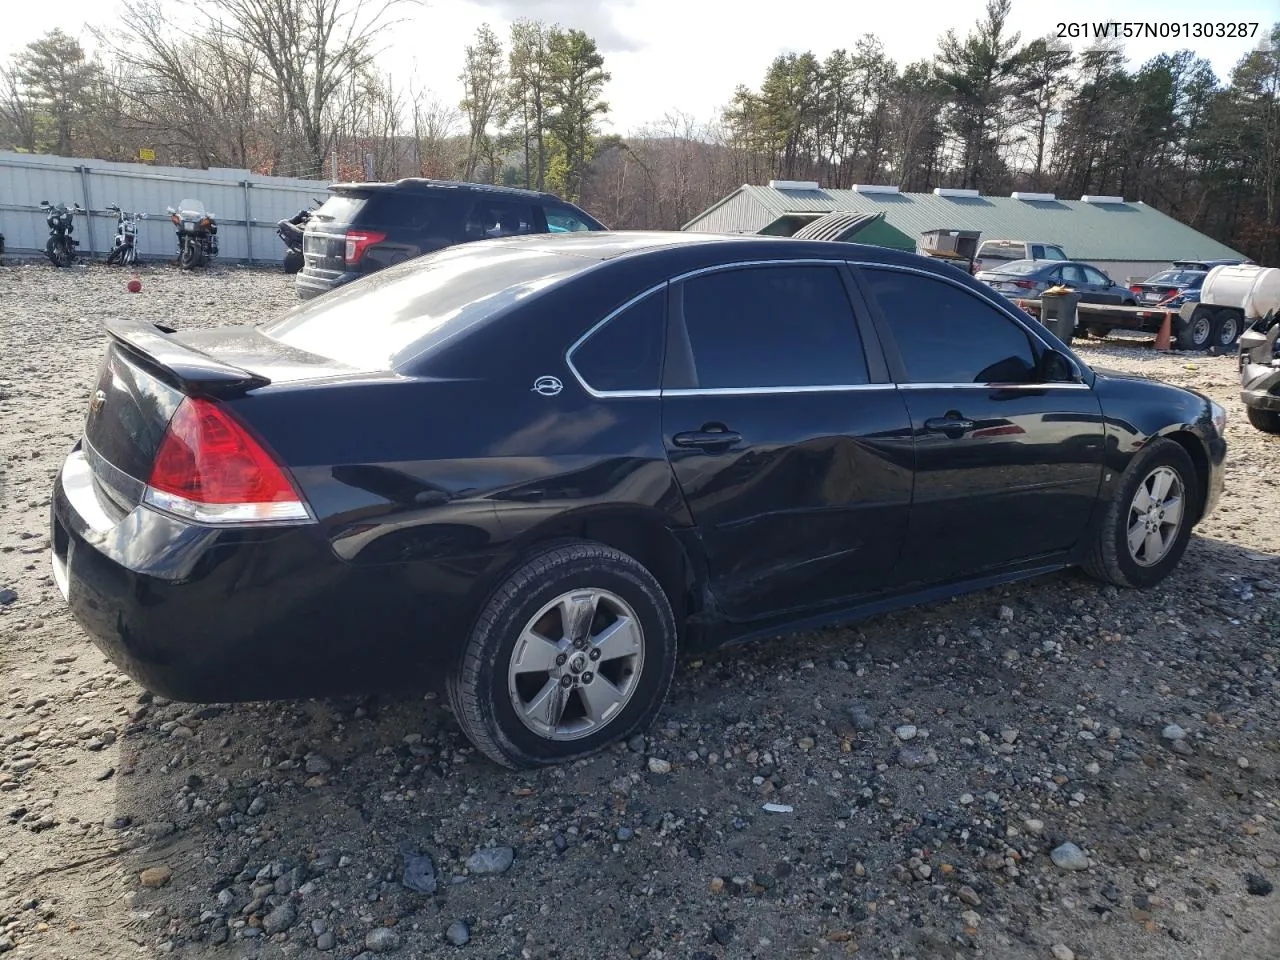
(609,245)
(425,185)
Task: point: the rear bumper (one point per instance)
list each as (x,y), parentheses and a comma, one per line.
(201,614)
(309,283)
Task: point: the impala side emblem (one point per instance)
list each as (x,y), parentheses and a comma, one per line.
(547,386)
(99,398)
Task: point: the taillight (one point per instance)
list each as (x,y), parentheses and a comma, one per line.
(1024,284)
(359,241)
(209,468)
(1135,289)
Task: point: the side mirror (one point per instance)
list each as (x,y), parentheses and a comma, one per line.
(1055,367)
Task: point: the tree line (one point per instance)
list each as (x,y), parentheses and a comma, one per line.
(293,87)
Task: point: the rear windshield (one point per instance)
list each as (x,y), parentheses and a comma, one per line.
(398,314)
(1002,249)
(383,208)
(1179,278)
(1021,267)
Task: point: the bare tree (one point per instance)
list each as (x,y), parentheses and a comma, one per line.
(309,50)
(18,109)
(435,130)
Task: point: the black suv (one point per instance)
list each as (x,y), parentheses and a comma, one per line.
(364,227)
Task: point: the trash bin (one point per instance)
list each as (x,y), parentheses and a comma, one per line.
(1058,309)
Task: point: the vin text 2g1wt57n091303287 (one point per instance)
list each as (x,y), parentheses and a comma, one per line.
(527,468)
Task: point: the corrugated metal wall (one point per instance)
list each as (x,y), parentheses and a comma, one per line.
(738,213)
(246,206)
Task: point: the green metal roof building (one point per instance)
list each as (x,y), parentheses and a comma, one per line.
(1122,239)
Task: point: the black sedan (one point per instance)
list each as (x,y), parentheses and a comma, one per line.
(528,468)
(1028,279)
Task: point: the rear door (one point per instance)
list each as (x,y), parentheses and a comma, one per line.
(500,217)
(1007,466)
(790,445)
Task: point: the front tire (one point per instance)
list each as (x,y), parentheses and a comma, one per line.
(1268,421)
(573,651)
(1198,332)
(1146,526)
(59,252)
(190,256)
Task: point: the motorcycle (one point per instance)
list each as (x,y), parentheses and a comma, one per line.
(290,230)
(197,233)
(125,249)
(61,248)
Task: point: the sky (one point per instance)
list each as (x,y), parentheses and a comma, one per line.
(689,55)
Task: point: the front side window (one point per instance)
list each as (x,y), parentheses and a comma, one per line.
(948,335)
(760,327)
(625,353)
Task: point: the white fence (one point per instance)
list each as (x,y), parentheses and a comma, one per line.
(246,206)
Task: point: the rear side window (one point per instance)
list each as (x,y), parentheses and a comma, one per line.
(500,218)
(383,209)
(1072,273)
(947,335)
(778,326)
(1037,252)
(1096,276)
(625,353)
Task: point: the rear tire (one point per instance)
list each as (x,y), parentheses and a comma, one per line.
(1142,509)
(1098,333)
(1268,421)
(1227,326)
(594,696)
(116,256)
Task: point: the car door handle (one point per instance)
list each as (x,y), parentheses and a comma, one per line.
(707,439)
(951,426)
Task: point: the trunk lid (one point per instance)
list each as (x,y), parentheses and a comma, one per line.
(148,371)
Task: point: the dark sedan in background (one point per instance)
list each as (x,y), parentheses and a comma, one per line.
(1170,288)
(1028,279)
(523,469)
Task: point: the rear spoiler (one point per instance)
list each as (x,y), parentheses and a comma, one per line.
(185,367)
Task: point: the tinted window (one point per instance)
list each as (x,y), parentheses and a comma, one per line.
(948,335)
(560,220)
(1054,253)
(1037,252)
(339,209)
(772,327)
(405,311)
(626,353)
(500,218)
(1097,276)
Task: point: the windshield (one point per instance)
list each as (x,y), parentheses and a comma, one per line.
(1179,278)
(397,314)
(195,207)
(1020,267)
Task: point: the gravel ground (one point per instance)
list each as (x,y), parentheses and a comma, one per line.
(1052,769)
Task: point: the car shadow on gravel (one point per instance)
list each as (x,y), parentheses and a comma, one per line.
(945,747)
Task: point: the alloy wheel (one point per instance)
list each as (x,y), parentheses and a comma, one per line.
(1155,516)
(576,664)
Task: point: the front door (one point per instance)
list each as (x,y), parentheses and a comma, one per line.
(1007,466)
(793,456)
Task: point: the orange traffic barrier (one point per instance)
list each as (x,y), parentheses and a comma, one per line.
(1165,336)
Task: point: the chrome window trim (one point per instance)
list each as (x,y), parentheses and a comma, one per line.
(832,388)
(720,391)
(755,391)
(577,375)
(999,307)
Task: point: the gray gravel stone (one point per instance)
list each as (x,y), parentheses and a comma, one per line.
(317,764)
(458,933)
(494,860)
(382,940)
(280,919)
(257,807)
(1173,732)
(1069,857)
(915,757)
